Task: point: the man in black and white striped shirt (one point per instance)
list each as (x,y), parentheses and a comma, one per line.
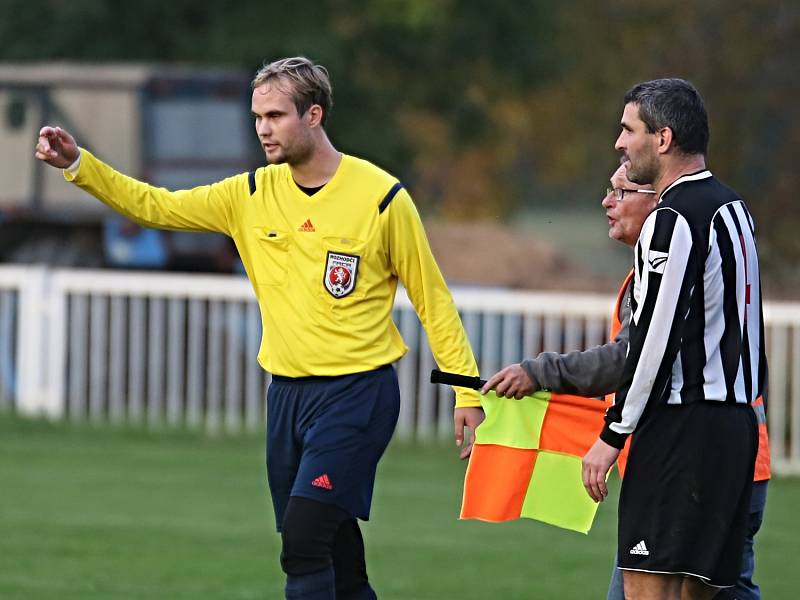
(695,361)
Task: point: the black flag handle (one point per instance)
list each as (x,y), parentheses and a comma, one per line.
(466,381)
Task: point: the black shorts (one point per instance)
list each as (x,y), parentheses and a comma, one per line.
(685,497)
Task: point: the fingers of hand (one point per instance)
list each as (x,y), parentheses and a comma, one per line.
(601,485)
(45,155)
(63,137)
(587,484)
(474,421)
(594,491)
(459,431)
(45,148)
(465,452)
(505,388)
(514,390)
(594,482)
(51,138)
(492,382)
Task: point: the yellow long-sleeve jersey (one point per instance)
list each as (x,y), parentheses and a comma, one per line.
(324,268)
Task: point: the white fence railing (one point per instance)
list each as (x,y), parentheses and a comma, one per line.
(179,350)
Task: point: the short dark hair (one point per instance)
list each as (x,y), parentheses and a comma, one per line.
(673,103)
(308,83)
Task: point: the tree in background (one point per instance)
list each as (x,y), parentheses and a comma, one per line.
(486,107)
(741,55)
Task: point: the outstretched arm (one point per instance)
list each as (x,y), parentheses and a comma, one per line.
(592,372)
(204,208)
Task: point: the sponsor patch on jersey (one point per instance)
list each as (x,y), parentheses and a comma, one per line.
(656,261)
(341,271)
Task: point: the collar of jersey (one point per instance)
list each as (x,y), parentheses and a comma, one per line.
(322,193)
(704,174)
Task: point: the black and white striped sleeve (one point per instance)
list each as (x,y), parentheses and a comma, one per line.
(664,272)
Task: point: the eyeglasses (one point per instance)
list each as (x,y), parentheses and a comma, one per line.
(620,192)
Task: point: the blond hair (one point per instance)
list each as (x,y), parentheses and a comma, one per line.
(305,82)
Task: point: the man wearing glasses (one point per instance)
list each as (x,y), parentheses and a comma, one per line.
(593,372)
(596,371)
(695,364)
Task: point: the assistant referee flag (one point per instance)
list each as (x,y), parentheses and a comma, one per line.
(526,461)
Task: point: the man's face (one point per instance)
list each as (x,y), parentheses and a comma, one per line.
(638,147)
(626,216)
(285,135)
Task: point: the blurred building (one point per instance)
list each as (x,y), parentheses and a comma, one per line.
(171,126)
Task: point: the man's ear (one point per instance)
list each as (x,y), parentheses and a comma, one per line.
(664,139)
(315,114)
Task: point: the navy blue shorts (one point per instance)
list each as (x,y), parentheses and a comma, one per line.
(325,436)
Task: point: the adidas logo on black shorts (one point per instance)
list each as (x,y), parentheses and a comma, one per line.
(640,548)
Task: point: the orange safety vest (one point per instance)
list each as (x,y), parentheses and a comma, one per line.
(762,471)
(616,326)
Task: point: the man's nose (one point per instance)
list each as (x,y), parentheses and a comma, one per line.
(619,144)
(609,201)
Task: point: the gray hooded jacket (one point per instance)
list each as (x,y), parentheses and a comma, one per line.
(591,373)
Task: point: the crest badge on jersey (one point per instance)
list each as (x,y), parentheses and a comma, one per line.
(340,274)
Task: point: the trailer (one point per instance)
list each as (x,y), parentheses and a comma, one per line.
(172,126)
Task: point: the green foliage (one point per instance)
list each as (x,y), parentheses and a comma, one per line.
(485,107)
(742,57)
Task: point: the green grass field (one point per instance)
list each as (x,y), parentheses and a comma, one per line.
(95,513)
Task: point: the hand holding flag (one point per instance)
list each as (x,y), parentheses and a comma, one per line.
(526,461)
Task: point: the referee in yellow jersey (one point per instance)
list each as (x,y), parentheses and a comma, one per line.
(324,238)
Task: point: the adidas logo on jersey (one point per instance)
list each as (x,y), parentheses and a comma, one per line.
(323,482)
(640,548)
(308,226)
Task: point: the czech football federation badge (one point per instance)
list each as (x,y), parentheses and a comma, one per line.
(340,274)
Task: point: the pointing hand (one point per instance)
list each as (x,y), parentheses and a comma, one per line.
(56,147)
